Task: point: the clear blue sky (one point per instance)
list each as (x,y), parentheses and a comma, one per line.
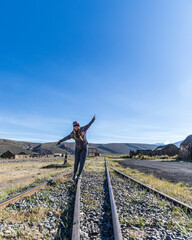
(128,62)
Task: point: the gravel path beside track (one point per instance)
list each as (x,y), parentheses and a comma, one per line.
(144,216)
(170,170)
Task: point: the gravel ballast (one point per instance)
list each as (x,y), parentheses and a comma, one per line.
(95,212)
(48,214)
(145,216)
(41,216)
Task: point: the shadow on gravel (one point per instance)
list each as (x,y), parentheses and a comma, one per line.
(106,221)
(57,166)
(64,231)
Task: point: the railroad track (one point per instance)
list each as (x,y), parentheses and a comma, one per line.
(165,196)
(117,232)
(115,219)
(105,218)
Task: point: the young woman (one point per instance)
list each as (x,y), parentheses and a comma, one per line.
(81,148)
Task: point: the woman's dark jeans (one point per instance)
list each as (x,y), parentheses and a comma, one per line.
(80,157)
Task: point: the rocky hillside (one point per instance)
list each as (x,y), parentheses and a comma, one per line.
(51,147)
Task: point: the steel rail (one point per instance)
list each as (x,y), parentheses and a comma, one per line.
(165,196)
(115,218)
(76,215)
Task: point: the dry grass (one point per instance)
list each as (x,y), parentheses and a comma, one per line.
(117,159)
(23,174)
(33,216)
(96,166)
(146,157)
(18,175)
(179,191)
(89,204)
(14,171)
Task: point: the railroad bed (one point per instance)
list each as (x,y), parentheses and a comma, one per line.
(49,213)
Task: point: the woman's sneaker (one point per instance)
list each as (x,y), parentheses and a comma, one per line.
(74,177)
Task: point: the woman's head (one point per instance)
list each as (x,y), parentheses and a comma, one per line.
(76,130)
(76,125)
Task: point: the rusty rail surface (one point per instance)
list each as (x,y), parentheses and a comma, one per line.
(165,196)
(115,218)
(76,215)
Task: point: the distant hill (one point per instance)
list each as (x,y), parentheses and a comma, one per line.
(178,143)
(52,147)
(159,144)
(29,147)
(122,148)
(15,146)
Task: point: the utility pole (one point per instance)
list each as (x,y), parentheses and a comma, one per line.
(66,157)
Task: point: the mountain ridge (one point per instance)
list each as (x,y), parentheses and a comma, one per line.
(52,147)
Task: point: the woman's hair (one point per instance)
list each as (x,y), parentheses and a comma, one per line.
(77,134)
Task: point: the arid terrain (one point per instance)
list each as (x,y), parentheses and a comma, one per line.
(18,173)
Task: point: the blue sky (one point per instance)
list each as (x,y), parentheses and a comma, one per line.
(128,62)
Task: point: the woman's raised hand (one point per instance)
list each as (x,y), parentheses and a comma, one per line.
(94,117)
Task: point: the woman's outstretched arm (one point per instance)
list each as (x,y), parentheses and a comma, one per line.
(65,138)
(84,129)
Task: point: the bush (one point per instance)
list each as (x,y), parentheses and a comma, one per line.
(143,157)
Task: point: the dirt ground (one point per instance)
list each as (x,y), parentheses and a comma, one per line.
(173,171)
